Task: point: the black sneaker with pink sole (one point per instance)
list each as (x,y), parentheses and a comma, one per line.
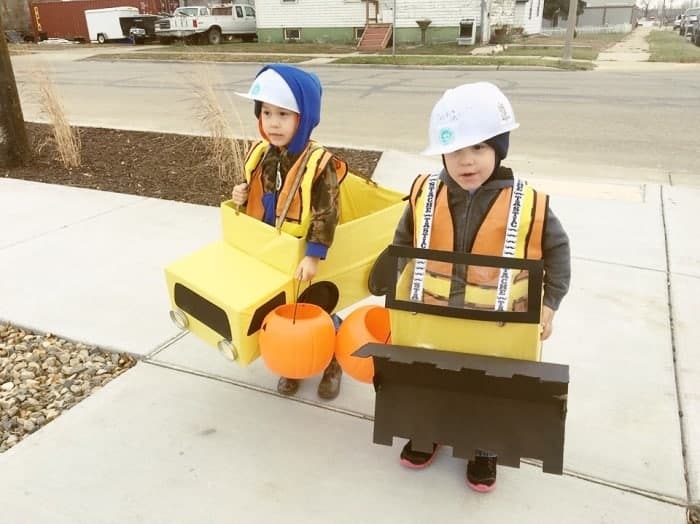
(417,459)
(481,473)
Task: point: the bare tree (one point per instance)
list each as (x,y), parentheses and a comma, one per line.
(644,5)
(14,146)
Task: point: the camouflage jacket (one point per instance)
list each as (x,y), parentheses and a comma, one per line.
(324,194)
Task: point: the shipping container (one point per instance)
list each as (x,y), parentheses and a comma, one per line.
(66,19)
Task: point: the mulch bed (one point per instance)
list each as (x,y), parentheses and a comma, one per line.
(159,165)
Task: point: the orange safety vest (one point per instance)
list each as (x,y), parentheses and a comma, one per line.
(313,159)
(481,282)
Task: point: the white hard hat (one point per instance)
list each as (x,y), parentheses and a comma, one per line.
(270,87)
(468,115)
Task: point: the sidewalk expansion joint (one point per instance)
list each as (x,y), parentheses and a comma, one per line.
(667,499)
(618,264)
(362,416)
(259,389)
(672,330)
(169,342)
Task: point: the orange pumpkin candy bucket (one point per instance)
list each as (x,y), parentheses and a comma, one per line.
(297,340)
(365,324)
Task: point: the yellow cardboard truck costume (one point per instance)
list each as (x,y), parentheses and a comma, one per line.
(222,292)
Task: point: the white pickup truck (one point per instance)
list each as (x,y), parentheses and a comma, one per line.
(208,25)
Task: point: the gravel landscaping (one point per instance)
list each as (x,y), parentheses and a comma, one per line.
(41,376)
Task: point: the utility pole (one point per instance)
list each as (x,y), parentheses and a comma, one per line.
(662,15)
(393,29)
(485,22)
(14,146)
(570,29)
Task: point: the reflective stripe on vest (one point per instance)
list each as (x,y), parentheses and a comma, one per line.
(298,218)
(482,282)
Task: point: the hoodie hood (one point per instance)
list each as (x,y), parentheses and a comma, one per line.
(307,90)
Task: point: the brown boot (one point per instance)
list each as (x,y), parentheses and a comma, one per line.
(287,386)
(329,387)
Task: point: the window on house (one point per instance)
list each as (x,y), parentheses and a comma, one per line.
(531,2)
(359,31)
(292,34)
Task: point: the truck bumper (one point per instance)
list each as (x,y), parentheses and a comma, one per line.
(177,33)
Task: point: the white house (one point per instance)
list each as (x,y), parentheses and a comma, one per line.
(343,21)
(528,15)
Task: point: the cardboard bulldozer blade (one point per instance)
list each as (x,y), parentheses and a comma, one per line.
(462,374)
(511,407)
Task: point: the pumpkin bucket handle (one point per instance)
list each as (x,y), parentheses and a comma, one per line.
(297,292)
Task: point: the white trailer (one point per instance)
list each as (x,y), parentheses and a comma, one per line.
(103,24)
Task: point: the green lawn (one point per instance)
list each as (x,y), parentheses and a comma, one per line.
(578,53)
(585,46)
(597,42)
(465,60)
(258,48)
(669,46)
(430,49)
(529,48)
(192,56)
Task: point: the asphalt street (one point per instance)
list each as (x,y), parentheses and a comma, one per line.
(622,125)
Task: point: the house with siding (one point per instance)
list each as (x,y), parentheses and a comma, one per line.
(344,21)
(600,16)
(602,13)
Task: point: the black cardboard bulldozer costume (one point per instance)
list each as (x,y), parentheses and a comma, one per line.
(463,377)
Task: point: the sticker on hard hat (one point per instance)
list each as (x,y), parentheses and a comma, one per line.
(255,89)
(446,136)
(505,115)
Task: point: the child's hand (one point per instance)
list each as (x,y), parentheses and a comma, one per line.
(240,194)
(546,322)
(307,268)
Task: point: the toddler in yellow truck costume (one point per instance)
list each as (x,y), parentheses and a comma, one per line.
(291,181)
(471,210)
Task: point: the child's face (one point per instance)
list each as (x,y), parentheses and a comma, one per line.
(471,166)
(278,123)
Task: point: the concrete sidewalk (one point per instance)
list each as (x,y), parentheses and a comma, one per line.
(633,48)
(632,54)
(186,436)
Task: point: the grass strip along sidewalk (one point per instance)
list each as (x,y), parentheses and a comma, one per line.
(668,46)
(531,51)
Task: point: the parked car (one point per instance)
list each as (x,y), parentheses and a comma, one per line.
(677,23)
(695,35)
(141,28)
(688,20)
